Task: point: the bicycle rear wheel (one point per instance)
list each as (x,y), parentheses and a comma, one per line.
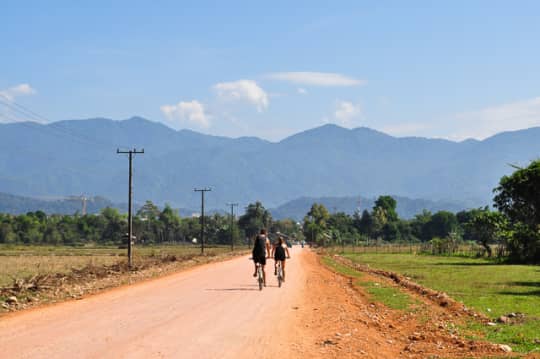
(261,280)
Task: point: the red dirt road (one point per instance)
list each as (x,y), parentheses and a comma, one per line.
(217,311)
(213,311)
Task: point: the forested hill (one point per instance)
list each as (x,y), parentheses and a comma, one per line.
(80,157)
(19,205)
(406,207)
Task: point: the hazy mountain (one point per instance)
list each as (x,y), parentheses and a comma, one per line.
(14,204)
(80,157)
(70,205)
(406,207)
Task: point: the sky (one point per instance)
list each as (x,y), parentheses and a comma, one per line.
(455,70)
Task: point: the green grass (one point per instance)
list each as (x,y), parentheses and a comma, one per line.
(337,267)
(389,296)
(490,288)
(378,292)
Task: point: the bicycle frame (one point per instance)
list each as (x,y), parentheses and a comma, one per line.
(279,273)
(260,277)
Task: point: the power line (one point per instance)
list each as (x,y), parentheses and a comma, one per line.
(12,104)
(202,190)
(45,122)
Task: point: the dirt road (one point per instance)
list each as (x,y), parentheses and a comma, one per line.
(214,311)
(217,311)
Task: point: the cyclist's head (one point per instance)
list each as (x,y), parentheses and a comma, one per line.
(281,240)
(263,231)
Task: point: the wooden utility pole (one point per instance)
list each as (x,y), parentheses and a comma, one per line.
(232,223)
(130,197)
(83,199)
(202,190)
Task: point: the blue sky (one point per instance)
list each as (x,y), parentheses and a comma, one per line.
(455,70)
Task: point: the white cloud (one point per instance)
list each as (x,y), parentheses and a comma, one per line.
(491,120)
(16,91)
(301,91)
(478,124)
(243,90)
(346,112)
(316,78)
(191,112)
(9,95)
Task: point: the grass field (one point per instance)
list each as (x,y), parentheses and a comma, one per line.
(490,288)
(378,291)
(25,261)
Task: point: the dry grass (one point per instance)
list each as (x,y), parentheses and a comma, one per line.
(18,262)
(32,275)
(12,267)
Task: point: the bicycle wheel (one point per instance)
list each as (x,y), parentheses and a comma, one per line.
(261,280)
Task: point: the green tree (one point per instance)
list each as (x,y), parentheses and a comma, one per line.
(363,223)
(116,226)
(486,227)
(388,204)
(149,211)
(255,218)
(441,224)
(171,222)
(379,221)
(419,226)
(315,223)
(517,197)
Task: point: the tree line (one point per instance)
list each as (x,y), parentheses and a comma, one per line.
(151,225)
(512,228)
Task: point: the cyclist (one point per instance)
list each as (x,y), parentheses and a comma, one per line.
(261,248)
(278,251)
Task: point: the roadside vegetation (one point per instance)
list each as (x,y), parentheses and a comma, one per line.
(510,234)
(151,226)
(487,259)
(506,293)
(51,257)
(377,291)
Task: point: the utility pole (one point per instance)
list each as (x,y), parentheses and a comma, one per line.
(130,197)
(84,199)
(202,190)
(232,223)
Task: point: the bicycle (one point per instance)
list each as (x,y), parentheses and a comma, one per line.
(260,277)
(279,274)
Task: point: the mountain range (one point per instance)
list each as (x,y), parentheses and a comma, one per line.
(295,209)
(79,156)
(406,208)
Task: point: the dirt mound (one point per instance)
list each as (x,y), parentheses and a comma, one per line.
(437,297)
(340,321)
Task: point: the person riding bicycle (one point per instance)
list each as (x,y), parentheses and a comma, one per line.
(279,250)
(260,251)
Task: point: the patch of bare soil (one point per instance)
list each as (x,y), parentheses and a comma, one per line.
(339,321)
(78,283)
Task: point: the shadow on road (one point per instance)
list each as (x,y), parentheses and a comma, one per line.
(241,288)
(231,289)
